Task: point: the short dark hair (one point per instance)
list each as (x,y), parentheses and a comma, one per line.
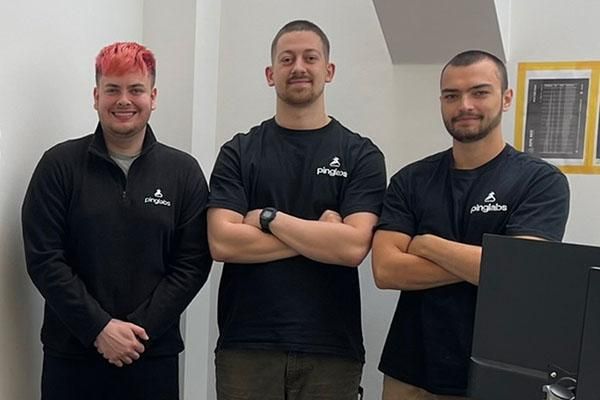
(297,26)
(471,57)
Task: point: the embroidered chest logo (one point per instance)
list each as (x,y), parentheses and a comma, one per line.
(333,169)
(489,205)
(158,199)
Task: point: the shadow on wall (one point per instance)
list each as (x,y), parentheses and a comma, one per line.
(20,304)
(21,313)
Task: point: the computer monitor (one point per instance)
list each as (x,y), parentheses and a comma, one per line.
(529,320)
(588,376)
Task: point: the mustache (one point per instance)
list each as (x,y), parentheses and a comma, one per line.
(298,77)
(466,115)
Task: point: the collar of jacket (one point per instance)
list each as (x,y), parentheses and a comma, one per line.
(98,145)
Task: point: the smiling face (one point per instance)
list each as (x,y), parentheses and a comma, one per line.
(124,104)
(472,101)
(300,68)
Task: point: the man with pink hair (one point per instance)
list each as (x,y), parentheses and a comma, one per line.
(114,228)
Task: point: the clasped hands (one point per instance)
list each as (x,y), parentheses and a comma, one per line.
(120,342)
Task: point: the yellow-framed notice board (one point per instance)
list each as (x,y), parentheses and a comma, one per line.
(557,116)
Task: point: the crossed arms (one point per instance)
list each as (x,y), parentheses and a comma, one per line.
(423,261)
(237,238)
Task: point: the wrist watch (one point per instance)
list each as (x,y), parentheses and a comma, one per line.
(267,215)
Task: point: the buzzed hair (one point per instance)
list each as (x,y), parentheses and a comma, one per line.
(298,26)
(471,57)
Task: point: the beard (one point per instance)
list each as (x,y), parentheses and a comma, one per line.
(468,135)
(300,97)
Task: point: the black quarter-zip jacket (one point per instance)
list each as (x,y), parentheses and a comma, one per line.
(100,245)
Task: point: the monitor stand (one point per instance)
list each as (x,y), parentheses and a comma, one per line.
(587,385)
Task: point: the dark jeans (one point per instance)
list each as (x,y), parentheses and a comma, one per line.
(153,378)
(278,375)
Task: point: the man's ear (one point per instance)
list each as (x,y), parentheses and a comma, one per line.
(96,98)
(269,76)
(507,99)
(330,72)
(153,95)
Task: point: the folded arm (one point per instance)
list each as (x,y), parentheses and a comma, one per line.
(423,261)
(239,239)
(394,267)
(459,259)
(330,239)
(232,240)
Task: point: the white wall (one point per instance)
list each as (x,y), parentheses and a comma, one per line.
(211,58)
(46,80)
(561,31)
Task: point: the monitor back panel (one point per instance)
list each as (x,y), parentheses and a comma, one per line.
(529,316)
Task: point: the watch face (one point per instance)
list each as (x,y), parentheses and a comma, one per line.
(267,214)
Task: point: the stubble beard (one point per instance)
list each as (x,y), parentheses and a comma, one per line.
(466,135)
(299,98)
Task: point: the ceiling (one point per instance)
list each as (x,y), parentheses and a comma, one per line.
(433,31)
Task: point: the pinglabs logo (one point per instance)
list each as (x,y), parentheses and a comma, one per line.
(158,199)
(489,205)
(333,169)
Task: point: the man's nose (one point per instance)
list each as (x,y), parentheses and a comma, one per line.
(299,65)
(466,103)
(123,100)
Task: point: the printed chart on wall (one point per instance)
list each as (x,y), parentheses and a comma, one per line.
(557,116)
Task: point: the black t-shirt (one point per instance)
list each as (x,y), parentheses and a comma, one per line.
(429,342)
(295,304)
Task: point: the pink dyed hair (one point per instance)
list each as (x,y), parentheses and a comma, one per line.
(123,57)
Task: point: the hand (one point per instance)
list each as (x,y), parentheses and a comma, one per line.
(119,342)
(253,218)
(331,216)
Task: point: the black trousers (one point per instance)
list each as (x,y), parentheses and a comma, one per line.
(152,378)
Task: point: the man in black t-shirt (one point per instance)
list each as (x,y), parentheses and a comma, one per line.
(292,207)
(428,239)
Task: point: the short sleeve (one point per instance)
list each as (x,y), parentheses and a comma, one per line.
(226,183)
(397,214)
(366,187)
(544,209)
